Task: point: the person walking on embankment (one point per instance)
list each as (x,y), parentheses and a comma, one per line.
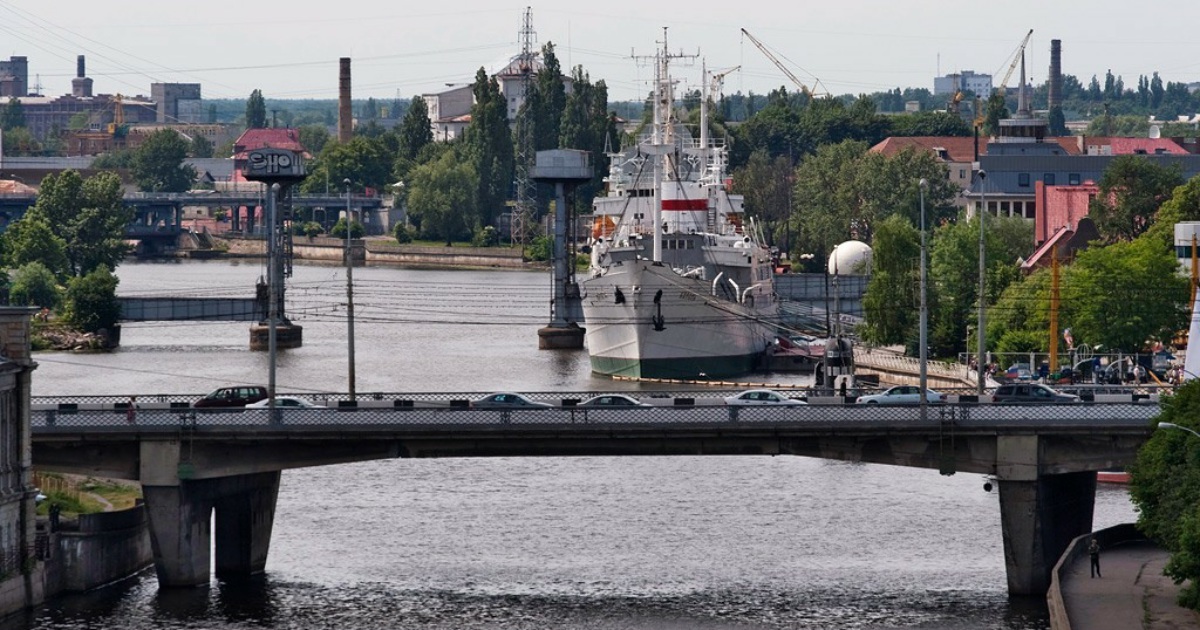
(1094,554)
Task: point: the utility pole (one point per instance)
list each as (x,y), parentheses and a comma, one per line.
(980,331)
(349,295)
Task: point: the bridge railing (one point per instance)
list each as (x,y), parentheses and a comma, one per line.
(707,395)
(159,417)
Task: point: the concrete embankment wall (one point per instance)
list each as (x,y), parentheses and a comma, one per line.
(388,252)
(1108,538)
(101,548)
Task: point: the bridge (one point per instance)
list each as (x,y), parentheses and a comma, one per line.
(159,216)
(192,463)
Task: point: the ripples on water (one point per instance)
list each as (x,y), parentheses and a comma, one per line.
(633,543)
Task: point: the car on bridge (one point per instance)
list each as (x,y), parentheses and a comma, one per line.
(612,401)
(507,400)
(236,396)
(285,402)
(758,397)
(901,395)
(1031,393)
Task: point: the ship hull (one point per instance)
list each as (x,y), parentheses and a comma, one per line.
(697,335)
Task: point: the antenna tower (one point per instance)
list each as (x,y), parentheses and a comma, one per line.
(526,192)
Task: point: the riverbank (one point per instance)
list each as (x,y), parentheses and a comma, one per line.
(374,250)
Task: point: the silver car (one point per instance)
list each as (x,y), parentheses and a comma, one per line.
(901,395)
(762,397)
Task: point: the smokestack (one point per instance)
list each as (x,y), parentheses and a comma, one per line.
(345,120)
(1055,72)
(81,86)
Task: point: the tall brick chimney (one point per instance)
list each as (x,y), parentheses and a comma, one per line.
(1055,96)
(345,118)
(81,86)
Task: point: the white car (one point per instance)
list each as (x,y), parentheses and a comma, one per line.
(507,400)
(762,397)
(901,395)
(609,401)
(285,402)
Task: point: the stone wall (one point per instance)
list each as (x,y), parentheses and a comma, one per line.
(106,547)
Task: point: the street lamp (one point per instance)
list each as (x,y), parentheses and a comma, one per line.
(924,321)
(982,283)
(1172,425)
(349,294)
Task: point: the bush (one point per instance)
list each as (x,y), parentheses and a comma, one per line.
(485,237)
(91,303)
(541,248)
(339,230)
(404,233)
(35,285)
(311,229)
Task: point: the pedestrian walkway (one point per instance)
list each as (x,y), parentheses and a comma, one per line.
(1133,594)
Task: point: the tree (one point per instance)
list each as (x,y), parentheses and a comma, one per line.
(1057,122)
(13,115)
(34,285)
(1164,485)
(488,144)
(19,141)
(88,215)
(930,124)
(364,161)
(889,306)
(441,197)
(414,134)
(256,111)
(201,147)
(158,164)
(314,137)
(997,109)
(91,301)
(587,126)
(549,100)
(30,240)
(766,186)
(1123,295)
(1131,191)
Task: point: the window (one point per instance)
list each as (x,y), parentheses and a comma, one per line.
(1048,179)
(1023,180)
(1073,179)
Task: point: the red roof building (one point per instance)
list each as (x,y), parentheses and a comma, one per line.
(272,138)
(1058,207)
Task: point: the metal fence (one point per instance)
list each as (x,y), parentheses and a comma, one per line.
(437,417)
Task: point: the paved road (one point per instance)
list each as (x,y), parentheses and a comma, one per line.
(1132,594)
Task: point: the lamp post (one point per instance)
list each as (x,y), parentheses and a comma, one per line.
(349,294)
(979,331)
(1172,425)
(924,317)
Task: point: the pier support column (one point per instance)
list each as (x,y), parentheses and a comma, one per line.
(244,522)
(1039,514)
(180,509)
(179,534)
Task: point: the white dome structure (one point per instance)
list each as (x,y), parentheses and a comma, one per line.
(851,258)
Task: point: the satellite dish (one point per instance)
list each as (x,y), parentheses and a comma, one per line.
(1155,131)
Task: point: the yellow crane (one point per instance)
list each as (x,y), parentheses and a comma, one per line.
(1001,89)
(784,69)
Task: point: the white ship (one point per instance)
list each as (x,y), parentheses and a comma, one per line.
(679,286)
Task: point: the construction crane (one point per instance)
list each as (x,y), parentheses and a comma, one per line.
(1003,87)
(717,81)
(783,68)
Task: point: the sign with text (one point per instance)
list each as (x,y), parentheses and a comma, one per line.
(274,165)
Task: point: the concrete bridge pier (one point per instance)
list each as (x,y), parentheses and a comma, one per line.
(181,516)
(1039,514)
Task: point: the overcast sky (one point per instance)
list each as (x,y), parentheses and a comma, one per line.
(290,50)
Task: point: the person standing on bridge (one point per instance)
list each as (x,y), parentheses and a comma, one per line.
(1094,553)
(131,410)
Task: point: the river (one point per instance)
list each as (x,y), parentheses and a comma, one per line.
(594,543)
